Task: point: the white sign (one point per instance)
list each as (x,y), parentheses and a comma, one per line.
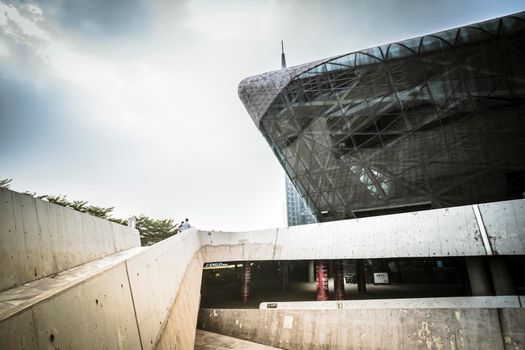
(381,278)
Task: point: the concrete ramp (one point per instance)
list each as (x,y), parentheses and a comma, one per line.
(212,341)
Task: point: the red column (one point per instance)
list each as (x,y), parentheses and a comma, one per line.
(245,281)
(321,271)
(339,284)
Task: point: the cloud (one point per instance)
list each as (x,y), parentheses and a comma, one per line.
(101,19)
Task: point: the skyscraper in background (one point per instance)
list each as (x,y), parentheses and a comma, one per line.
(297,213)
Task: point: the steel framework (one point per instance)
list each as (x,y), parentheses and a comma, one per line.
(434,121)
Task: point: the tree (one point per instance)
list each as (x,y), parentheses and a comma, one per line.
(4,183)
(155,230)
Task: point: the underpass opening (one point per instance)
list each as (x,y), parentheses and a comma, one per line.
(222,282)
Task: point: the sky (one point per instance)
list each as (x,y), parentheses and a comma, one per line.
(133,103)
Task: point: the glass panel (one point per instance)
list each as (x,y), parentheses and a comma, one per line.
(471,34)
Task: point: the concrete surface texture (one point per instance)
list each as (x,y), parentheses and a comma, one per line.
(150,299)
(155,278)
(366,328)
(95,314)
(213,341)
(39,239)
(17,299)
(507,301)
(432,233)
(119,304)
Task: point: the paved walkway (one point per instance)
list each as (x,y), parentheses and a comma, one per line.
(212,341)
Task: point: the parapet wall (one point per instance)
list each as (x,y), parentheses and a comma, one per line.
(149,300)
(479,328)
(39,239)
(472,230)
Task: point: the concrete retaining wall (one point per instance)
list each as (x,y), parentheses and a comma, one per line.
(179,331)
(96,314)
(38,238)
(476,302)
(431,233)
(369,328)
(156,277)
(151,295)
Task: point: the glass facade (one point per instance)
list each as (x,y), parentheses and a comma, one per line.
(429,122)
(297,212)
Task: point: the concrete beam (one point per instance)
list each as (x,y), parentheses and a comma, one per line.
(430,233)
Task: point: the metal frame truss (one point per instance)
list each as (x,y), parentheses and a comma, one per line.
(438,119)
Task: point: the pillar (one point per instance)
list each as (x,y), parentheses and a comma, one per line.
(245,281)
(284,274)
(501,277)
(477,276)
(321,271)
(311,272)
(339,283)
(360,275)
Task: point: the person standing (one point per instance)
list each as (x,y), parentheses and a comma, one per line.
(185,225)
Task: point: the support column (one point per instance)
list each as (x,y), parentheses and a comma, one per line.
(339,283)
(284,274)
(477,276)
(311,272)
(360,275)
(321,271)
(501,277)
(245,281)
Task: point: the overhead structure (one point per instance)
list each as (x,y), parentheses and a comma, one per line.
(429,122)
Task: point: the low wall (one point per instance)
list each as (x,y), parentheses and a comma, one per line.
(96,314)
(38,238)
(181,325)
(156,278)
(150,300)
(475,302)
(370,328)
(458,231)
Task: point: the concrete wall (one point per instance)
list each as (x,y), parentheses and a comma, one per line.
(477,302)
(432,233)
(505,224)
(156,277)
(369,328)
(148,300)
(179,331)
(38,238)
(96,314)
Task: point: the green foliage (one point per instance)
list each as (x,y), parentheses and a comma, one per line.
(60,200)
(151,230)
(155,230)
(4,183)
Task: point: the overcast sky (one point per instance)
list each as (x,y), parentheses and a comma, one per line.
(133,103)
